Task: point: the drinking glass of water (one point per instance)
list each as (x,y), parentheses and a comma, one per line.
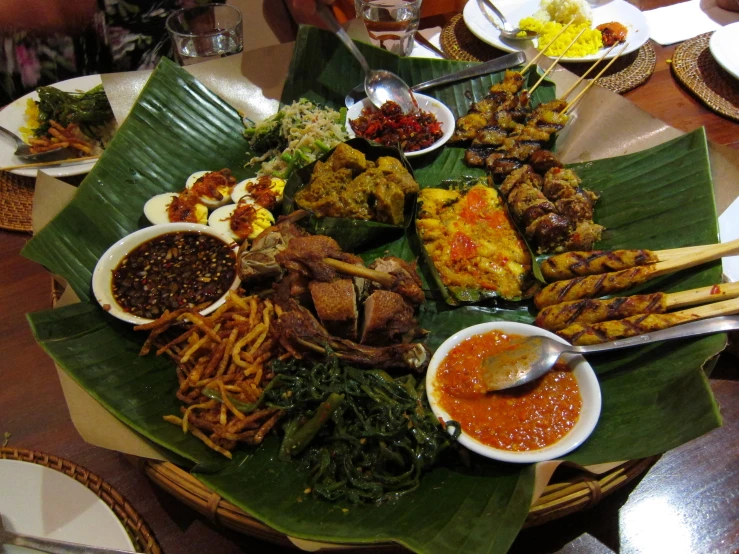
(391,24)
(205,32)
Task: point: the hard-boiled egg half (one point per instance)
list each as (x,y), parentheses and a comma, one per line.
(171,207)
(266,191)
(245,220)
(213,187)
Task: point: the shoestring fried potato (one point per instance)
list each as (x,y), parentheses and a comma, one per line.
(222,369)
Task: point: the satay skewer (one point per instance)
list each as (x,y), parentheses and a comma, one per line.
(640,324)
(593,286)
(590,311)
(577,264)
(594,80)
(555,62)
(541,53)
(591,68)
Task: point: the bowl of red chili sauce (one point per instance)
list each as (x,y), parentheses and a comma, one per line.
(166,268)
(539,421)
(415,134)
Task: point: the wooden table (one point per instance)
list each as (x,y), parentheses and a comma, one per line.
(688,502)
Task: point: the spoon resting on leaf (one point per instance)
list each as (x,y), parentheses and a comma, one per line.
(529,358)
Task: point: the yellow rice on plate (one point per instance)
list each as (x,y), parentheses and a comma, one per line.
(552,16)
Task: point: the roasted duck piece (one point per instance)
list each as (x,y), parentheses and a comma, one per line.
(300,333)
(589,311)
(336,305)
(574,264)
(406,282)
(306,255)
(388,319)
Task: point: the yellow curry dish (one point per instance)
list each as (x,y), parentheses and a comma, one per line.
(348,185)
(472,242)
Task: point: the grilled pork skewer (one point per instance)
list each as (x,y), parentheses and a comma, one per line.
(646,323)
(593,286)
(576,264)
(589,311)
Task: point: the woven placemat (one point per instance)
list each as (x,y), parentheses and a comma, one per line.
(699,72)
(574,491)
(136,527)
(16,201)
(626,73)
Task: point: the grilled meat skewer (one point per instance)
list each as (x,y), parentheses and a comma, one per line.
(592,286)
(580,335)
(589,311)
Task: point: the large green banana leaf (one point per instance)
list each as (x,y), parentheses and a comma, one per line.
(654,399)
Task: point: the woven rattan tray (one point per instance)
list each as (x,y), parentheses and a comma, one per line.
(627,73)
(578,491)
(139,532)
(700,73)
(16,201)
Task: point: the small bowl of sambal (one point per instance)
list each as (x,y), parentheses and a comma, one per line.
(538,421)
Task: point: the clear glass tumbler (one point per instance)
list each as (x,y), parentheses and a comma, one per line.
(391,24)
(205,32)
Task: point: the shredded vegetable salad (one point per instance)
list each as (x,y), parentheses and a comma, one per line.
(294,137)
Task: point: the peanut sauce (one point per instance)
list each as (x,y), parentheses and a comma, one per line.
(528,417)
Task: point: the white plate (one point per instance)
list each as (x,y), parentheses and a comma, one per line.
(13,118)
(515,10)
(39,501)
(724,47)
(426,104)
(582,371)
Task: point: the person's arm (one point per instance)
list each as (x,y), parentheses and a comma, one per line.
(46,17)
(304,11)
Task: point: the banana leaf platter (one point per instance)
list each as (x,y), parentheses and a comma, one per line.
(654,398)
(351,234)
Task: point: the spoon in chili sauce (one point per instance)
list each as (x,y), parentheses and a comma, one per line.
(380,85)
(531,357)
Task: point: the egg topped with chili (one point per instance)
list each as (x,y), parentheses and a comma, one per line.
(472,242)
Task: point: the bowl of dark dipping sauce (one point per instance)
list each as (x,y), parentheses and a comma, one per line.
(165,267)
(538,421)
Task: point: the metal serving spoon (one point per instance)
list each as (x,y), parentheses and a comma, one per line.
(533,356)
(498,64)
(511,33)
(380,85)
(23,151)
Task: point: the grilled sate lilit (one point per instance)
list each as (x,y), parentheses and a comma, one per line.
(590,311)
(578,334)
(592,286)
(575,264)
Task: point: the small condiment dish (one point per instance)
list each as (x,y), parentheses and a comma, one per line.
(582,371)
(426,104)
(102,276)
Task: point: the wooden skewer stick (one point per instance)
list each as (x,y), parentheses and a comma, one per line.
(541,53)
(727,307)
(594,80)
(385,279)
(69,161)
(580,80)
(555,62)
(703,295)
(696,257)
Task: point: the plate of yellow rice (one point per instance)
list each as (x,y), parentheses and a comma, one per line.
(547,18)
(18,117)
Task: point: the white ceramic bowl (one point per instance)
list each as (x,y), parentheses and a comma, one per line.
(102,277)
(426,104)
(586,380)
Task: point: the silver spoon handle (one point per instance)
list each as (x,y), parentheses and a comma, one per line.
(497,12)
(504,62)
(55,546)
(702,327)
(12,136)
(339,31)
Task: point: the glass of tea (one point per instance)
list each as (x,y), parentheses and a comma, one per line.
(205,32)
(391,24)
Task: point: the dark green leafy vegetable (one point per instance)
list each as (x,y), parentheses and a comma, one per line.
(366,436)
(90,110)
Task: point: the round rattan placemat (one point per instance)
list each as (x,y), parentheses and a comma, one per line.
(139,532)
(16,201)
(626,73)
(576,491)
(700,73)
